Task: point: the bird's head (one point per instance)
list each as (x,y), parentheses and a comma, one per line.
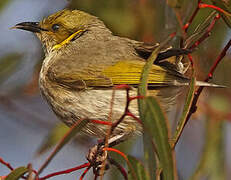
(61,27)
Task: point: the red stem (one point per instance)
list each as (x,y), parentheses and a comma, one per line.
(119,167)
(6,164)
(84,173)
(135,97)
(114,125)
(200,89)
(190,59)
(101,122)
(65,171)
(186,26)
(218,60)
(173,35)
(193,107)
(134,117)
(123,86)
(202,5)
(117,151)
(207,33)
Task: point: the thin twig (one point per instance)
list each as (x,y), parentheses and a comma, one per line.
(119,167)
(65,171)
(84,173)
(186,26)
(109,130)
(193,107)
(6,164)
(207,33)
(202,5)
(126,159)
(218,60)
(123,116)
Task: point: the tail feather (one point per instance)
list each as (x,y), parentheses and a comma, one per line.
(206,84)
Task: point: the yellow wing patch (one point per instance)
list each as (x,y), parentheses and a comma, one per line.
(129,72)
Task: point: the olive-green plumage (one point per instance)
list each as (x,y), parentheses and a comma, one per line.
(84,60)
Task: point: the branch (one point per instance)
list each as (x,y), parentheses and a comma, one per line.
(65,171)
(186,26)
(84,173)
(193,107)
(207,33)
(6,164)
(119,167)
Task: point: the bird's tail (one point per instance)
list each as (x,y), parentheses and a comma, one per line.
(206,84)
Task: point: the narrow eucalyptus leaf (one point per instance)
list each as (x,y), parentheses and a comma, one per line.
(187,106)
(226,6)
(149,149)
(156,125)
(17,173)
(141,172)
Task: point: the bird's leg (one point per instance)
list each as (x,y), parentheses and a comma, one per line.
(96,156)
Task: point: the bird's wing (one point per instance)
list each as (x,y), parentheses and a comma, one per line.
(129,72)
(145,50)
(104,76)
(168,58)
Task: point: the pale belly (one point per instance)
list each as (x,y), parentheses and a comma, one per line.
(70,106)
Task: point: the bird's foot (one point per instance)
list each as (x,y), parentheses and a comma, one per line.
(97,157)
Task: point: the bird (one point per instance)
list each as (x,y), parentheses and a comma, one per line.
(83,62)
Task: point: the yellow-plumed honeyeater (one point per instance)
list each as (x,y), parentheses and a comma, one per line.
(83,62)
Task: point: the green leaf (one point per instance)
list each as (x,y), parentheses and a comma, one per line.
(17,173)
(68,136)
(54,136)
(156,126)
(187,106)
(124,147)
(149,149)
(150,156)
(226,6)
(141,172)
(8,65)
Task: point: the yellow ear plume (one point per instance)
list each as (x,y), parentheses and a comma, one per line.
(66,41)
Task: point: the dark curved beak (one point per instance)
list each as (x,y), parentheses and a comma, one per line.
(29,26)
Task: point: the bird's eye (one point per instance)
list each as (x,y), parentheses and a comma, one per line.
(55,27)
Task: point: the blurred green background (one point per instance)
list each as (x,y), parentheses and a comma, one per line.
(25,118)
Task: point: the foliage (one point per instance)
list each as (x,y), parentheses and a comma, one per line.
(191,28)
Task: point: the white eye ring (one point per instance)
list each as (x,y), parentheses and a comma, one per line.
(55,27)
